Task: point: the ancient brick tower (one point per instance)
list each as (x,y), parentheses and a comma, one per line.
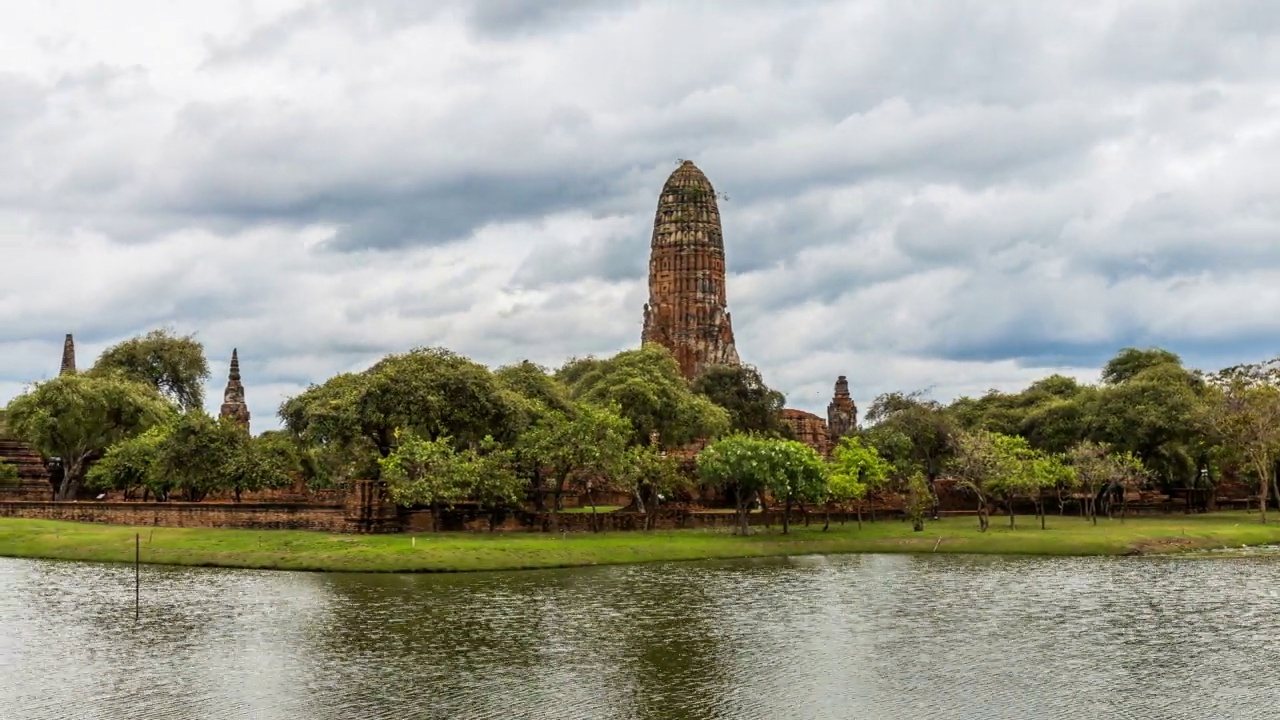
(233,405)
(68,356)
(686,309)
(842,414)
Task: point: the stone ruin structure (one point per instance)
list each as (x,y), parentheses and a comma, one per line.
(233,404)
(808,429)
(687,309)
(842,414)
(68,356)
(686,312)
(34,479)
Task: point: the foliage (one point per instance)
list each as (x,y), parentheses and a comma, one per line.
(174,365)
(798,476)
(200,455)
(740,390)
(647,387)
(8,473)
(74,417)
(649,472)
(431,393)
(912,432)
(434,472)
(130,466)
(855,469)
(1100,468)
(1242,412)
(919,500)
(749,465)
(579,449)
(1130,362)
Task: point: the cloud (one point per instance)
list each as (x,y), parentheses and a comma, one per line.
(955,196)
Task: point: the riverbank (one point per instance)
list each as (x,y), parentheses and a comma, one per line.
(462,552)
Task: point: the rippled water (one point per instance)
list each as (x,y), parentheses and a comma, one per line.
(841,637)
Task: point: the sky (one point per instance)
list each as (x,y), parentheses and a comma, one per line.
(951,196)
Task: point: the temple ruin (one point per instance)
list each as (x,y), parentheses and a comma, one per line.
(686,312)
(234,407)
(687,309)
(68,356)
(842,414)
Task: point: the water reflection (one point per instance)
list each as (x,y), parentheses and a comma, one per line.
(839,637)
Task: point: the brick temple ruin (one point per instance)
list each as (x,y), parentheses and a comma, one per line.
(687,312)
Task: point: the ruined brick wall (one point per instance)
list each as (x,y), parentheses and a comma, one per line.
(33,477)
(809,429)
(687,305)
(262,516)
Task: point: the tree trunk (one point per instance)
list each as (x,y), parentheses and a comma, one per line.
(595,520)
(1010,501)
(70,485)
(743,527)
(786,516)
(1041,507)
(1262,500)
(827,525)
(859,514)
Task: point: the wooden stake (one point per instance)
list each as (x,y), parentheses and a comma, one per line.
(137,579)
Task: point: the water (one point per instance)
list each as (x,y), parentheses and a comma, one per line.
(839,637)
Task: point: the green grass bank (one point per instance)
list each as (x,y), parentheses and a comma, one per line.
(462,552)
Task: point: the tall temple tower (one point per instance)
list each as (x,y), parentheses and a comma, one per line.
(842,414)
(233,404)
(68,356)
(686,312)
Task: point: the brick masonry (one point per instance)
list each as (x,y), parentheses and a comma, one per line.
(687,312)
(255,516)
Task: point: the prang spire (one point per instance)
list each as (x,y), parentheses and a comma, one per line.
(68,356)
(686,312)
(233,404)
(842,414)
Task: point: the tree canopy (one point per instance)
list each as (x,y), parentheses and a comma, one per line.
(174,365)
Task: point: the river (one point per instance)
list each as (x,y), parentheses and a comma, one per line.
(873,636)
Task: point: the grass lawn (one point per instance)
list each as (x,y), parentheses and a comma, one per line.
(458,552)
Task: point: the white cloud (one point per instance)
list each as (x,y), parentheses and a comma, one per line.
(960,196)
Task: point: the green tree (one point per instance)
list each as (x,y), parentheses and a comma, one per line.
(740,390)
(1021,471)
(976,461)
(436,474)
(174,365)
(1151,413)
(421,471)
(924,424)
(1242,412)
(431,393)
(652,395)
(8,473)
(1102,469)
(129,467)
(201,455)
(797,476)
(1130,362)
(578,450)
(74,417)
(856,468)
(650,472)
(919,500)
(746,466)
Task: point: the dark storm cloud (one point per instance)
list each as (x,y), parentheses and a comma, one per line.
(512,17)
